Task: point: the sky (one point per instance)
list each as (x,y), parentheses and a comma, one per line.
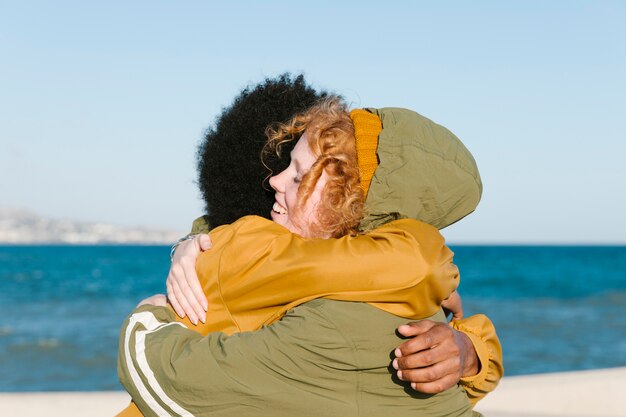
(103,104)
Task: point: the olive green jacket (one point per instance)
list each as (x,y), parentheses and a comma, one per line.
(323,358)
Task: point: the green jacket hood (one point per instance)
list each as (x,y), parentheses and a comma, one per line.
(425,173)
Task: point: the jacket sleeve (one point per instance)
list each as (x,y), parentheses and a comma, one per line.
(169,369)
(403,268)
(482,333)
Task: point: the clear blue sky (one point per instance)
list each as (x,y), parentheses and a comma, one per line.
(102,104)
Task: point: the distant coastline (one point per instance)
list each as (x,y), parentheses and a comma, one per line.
(23,227)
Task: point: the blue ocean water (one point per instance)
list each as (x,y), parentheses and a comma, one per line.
(555,308)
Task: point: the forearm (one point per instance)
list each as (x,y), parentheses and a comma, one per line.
(489,370)
(166,368)
(164,363)
(134,371)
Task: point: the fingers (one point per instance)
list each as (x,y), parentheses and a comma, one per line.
(432,380)
(205,242)
(159,300)
(183,287)
(440,353)
(453,304)
(426,334)
(192,286)
(172,298)
(432,361)
(431,371)
(457,313)
(416,327)
(183,300)
(155,300)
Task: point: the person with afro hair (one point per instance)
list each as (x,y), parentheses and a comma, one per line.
(231,179)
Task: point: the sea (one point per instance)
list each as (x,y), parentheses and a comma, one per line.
(556,308)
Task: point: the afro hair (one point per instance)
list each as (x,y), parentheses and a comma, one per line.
(230,172)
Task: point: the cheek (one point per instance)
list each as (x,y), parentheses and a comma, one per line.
(291,195)
(310,208)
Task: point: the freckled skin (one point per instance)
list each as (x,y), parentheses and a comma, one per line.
(287,212)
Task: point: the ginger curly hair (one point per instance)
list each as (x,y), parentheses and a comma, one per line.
(330,135)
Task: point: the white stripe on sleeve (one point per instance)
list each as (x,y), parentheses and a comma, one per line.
(150,322)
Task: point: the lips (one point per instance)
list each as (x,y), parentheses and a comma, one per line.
(277,208)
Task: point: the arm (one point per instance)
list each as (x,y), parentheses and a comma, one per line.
(167,368)
(258,270)
(378,254)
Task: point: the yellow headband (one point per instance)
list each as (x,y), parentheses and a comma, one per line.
(367,127)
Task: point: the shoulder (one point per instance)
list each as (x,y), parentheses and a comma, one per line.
(249,222)
(409,225)
(246,227)
(424,238)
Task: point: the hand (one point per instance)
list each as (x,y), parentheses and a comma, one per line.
(155,300)
(453,305)
(183,287)
(435,358)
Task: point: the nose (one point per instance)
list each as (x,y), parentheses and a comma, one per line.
(277,182)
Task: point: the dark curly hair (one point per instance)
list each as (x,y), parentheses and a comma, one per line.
(230,172)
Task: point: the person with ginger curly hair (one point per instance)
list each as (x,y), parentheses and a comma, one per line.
(316,162)
(332,182)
